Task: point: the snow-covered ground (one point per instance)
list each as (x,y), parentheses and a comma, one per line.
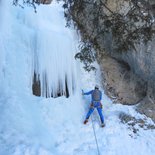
(31,125)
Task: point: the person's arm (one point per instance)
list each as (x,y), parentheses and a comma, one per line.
(88,93)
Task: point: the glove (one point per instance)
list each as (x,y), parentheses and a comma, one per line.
(82,92)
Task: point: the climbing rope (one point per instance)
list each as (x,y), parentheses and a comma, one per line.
(98,151)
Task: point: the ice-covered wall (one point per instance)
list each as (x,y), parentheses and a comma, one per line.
(4,36)
(37,42)
(31,42)
(54,53)
(54,61)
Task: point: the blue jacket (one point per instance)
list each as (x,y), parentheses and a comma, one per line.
(90,92)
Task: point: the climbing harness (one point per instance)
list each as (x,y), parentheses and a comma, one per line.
(98,151)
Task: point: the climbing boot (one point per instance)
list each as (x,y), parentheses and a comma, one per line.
(85,122)
(102,125)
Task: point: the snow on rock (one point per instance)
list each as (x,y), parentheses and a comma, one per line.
(31,125)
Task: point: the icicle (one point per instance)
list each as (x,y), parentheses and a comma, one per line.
(54,61)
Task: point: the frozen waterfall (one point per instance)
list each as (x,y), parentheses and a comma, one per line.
(53,58)
(54,63)
(47,44)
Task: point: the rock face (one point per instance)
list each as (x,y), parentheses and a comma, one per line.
(120,81)
(147,107)
(129,77)
(44,1)
(152,2)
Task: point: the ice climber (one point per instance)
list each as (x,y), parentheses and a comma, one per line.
(96,96)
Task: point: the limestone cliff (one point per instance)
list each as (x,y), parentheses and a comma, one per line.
(127,76)
(44,1)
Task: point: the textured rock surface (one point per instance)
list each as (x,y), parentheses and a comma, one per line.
(44,1)
(121,82)
(120,6)
(147,107)
(152,2)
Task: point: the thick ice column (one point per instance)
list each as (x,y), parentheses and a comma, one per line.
(54,63)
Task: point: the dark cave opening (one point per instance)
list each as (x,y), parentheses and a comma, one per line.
(36,87)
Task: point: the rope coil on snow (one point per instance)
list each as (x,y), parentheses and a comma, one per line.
(98,151)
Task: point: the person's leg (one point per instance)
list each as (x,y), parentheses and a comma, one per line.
(89,112)
(100,114)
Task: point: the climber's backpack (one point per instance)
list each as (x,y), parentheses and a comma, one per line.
(96,95)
